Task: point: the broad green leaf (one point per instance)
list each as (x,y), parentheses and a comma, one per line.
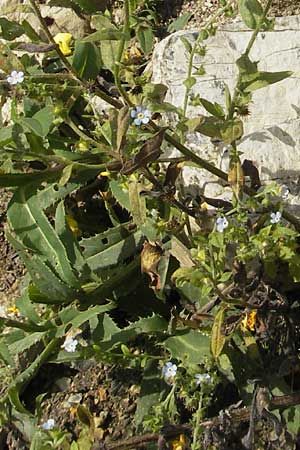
(209,126)
(189,346)
(145,37)
(45,119)
(120,195)
(31,124)
(10,30)
(87,60)
(137,203)
(179,23)
(109,51)
(251,12)
(155,91)
(217,336)
(27,309)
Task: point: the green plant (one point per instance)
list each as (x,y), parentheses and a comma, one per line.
(95,206)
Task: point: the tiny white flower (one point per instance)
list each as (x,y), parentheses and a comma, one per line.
(284,192)
(221,224)
(169,370)
(203,378)
(70,344)
(140,115)
(275,217)
(15,77)
(48,425)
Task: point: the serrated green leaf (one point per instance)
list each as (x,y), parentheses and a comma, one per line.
(111,247)
(189,346)
(32,228)
(120,194)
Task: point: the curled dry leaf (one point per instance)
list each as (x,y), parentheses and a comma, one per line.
(150,258)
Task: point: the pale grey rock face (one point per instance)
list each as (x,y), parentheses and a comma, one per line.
(65,20)
(272,131)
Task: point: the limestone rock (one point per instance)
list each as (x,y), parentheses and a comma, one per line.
(272,131)
(65,19)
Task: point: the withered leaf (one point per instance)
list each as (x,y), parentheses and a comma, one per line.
(150,258)
(148,153)
(252,172)
(123,124)
(35,48)
(173,170)
(236,177)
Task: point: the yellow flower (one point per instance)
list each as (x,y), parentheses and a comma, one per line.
(63,40)
(13,309)
(179,443)
(249,321)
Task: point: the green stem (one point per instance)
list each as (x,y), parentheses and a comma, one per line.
(194,445)
(246,53)
(126,31)
(194,49)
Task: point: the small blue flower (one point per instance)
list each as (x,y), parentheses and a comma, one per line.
(140,115)
(15,77)
(70,344)
(275,217)
(169,370)
(203,378)
(48,425)
(284,192)
(221,224)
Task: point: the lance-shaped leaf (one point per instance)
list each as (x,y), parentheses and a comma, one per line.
(148,153)
(32,228)
(262,79)
(111,248)
(217,337)
(70,243)
(48,287)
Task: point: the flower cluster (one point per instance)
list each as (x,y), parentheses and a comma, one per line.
(203,378)
(275,217)
(48,425)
